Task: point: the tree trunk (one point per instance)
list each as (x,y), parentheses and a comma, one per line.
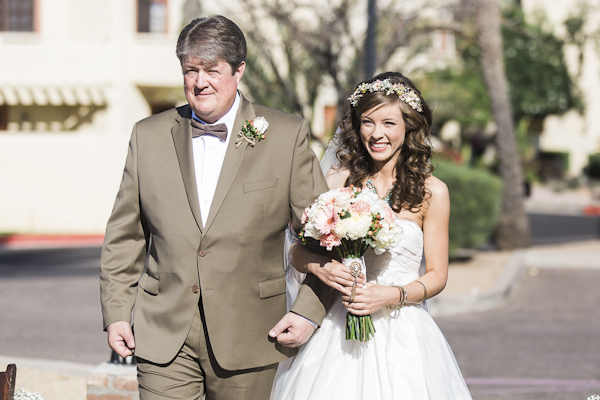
(513,227)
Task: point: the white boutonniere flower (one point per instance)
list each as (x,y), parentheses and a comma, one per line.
(252,132)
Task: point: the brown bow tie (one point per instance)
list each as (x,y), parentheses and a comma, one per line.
(199,129)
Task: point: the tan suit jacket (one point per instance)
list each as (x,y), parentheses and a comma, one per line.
(236,260)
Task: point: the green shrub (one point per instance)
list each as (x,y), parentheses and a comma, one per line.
(475,197)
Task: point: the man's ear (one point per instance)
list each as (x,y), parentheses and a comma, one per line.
(239,72)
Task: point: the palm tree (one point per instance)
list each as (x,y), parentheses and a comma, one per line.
(513,227)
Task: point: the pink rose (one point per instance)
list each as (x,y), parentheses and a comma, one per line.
(347,190)
(360,207)
(330,241)
(390,215)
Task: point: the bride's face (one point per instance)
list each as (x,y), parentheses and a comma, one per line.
(382,132)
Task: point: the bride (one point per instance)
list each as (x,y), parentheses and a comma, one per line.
(383,146)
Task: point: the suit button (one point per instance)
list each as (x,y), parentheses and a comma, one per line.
(195,289)
(202,253)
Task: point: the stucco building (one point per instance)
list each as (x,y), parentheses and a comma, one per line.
(75,75)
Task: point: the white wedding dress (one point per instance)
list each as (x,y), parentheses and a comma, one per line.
(407,359)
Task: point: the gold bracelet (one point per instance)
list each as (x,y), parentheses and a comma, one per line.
(424,292)
(403,299)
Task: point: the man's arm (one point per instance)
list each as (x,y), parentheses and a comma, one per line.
(306,184)
(123,256)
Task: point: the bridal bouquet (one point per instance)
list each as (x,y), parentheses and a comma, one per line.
(351,220)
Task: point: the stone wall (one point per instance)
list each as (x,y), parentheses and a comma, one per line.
(113,382)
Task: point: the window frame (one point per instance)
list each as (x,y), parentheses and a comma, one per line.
(144,23)
(3,117)
(5,16)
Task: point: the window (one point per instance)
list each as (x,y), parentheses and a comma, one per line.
(16,15)
(152,16)
(3,117)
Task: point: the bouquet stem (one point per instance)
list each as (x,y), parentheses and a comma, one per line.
(358,327)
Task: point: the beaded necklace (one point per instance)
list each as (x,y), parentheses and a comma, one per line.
(372,187)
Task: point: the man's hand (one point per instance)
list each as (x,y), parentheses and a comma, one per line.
(292,330)
(120,338)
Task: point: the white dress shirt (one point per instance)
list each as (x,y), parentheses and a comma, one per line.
(209,154)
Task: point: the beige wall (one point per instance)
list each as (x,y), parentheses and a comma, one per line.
(579,135)
(60,167)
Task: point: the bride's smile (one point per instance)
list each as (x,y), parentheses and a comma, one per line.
(382,132)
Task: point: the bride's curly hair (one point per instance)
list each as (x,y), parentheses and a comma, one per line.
(413,166)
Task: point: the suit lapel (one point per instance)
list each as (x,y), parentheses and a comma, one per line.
(233,159)
(182,138)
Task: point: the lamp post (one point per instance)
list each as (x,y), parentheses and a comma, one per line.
(370,42)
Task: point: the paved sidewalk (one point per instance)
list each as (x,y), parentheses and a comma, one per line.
(53,380)
(488,279)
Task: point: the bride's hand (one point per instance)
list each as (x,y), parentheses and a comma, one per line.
(371,299)
(336,275)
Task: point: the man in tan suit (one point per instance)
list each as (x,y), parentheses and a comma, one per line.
(194,244)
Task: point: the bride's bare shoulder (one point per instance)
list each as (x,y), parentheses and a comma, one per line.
(336,177)
(438,195)
(437,187)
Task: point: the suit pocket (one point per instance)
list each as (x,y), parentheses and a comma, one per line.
(149,284)
(272,287)
(258,185)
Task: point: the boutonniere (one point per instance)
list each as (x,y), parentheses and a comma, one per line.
(252,132)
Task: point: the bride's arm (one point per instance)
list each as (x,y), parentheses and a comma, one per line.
(336,177)
(436,215)
(435,242)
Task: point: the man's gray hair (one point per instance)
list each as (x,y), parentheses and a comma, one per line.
(212,39)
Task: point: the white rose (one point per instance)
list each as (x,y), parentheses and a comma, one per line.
(353,228)
(311,231)
(387,237)
(367,196)
(314,210)
(260,124)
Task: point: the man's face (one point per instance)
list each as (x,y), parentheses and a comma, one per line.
(210,89)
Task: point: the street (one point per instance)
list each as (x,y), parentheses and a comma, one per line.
(544,344)
(50,305)
(548,228)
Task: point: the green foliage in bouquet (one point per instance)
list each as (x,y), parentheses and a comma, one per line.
(475,197)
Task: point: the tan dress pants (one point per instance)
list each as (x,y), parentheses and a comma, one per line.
(194,373)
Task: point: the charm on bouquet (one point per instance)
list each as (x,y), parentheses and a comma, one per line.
(351,220)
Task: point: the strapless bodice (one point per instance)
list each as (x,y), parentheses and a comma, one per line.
(399,265)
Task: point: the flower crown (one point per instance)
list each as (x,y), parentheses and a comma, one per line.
(405,94)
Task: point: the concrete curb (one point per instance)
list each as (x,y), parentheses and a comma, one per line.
(518,264)
(495,297)
(32,242)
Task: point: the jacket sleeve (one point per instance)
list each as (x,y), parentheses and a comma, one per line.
(306,184)
(125,243)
